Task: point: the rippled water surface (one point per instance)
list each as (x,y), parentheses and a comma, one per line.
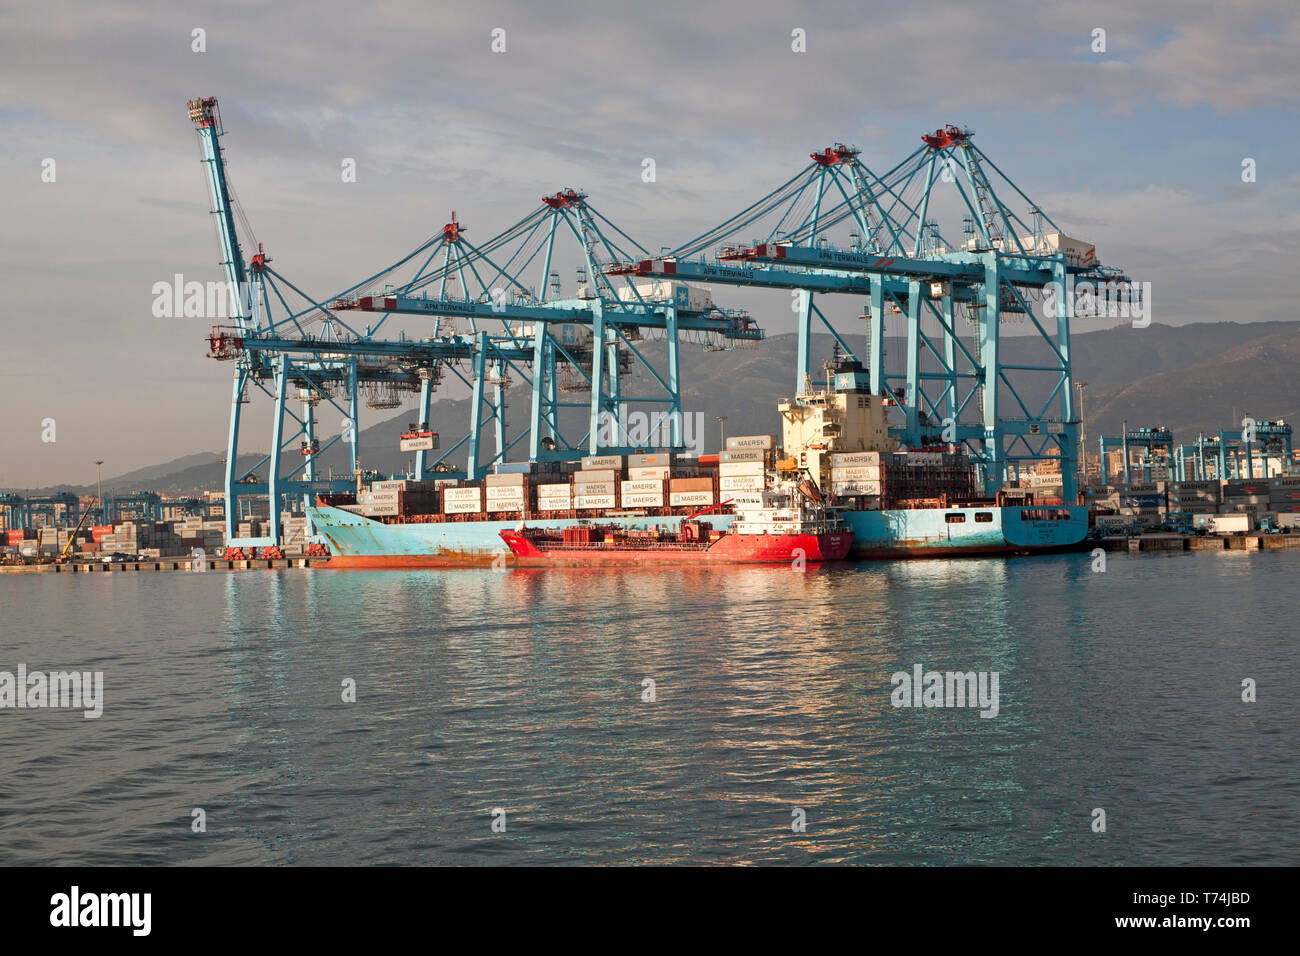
(522,690)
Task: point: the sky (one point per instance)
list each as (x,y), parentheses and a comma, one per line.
(1139,149)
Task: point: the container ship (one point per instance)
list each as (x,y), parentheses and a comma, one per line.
(835,446)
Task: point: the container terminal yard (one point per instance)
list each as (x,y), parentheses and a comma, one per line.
(926,460)
(146,531)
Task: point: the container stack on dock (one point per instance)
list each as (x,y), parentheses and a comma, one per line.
(1246,497)
(1194,497)
(1272,502)
(293,534)
(201,533)
(1284,499)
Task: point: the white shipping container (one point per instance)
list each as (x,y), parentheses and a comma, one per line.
(748,442)
(553,504)
(635,487)
(854,459)
(587,476)
(554,491)
(656,473)
(737,469)
(602,461)
(644,500)
(594,488)
(856,473)
(681,498)
(504,481)
(461,507)
(856,488)
(742,483)
(756,454)
(589,502)
(462,494)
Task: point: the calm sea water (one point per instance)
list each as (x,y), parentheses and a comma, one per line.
(522,690)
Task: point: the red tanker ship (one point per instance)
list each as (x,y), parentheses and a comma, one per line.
(782,529)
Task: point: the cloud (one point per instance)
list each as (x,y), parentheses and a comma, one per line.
(584,93)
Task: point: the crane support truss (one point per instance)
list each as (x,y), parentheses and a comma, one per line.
(297,349)
(951,387)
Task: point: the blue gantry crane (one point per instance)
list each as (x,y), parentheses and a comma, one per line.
(1012,255)
(1157,451)
(293,347)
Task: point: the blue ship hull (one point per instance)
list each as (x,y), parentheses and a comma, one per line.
(355,541)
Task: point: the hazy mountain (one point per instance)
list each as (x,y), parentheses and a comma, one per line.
(1191,378)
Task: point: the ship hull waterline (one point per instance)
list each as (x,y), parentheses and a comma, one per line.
(361,543)
(729,549)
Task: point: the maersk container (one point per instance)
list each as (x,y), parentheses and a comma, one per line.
(598,462)
(855,459)
(750,442)
(592,502)
(461,507)
(553,504)
(644,500)
(683,295)
(593,488)
(690,484)
(644,461)
(856,488)
(859,473)
(742,483)
(462,494)
(504,480)
(639,487)
(755,454)
(683,498)
(649,473)
(589,475)
(554,492)
(737,469)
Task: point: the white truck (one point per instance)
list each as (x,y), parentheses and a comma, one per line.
(1229,524)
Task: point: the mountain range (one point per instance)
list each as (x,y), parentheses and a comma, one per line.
(1191,378)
